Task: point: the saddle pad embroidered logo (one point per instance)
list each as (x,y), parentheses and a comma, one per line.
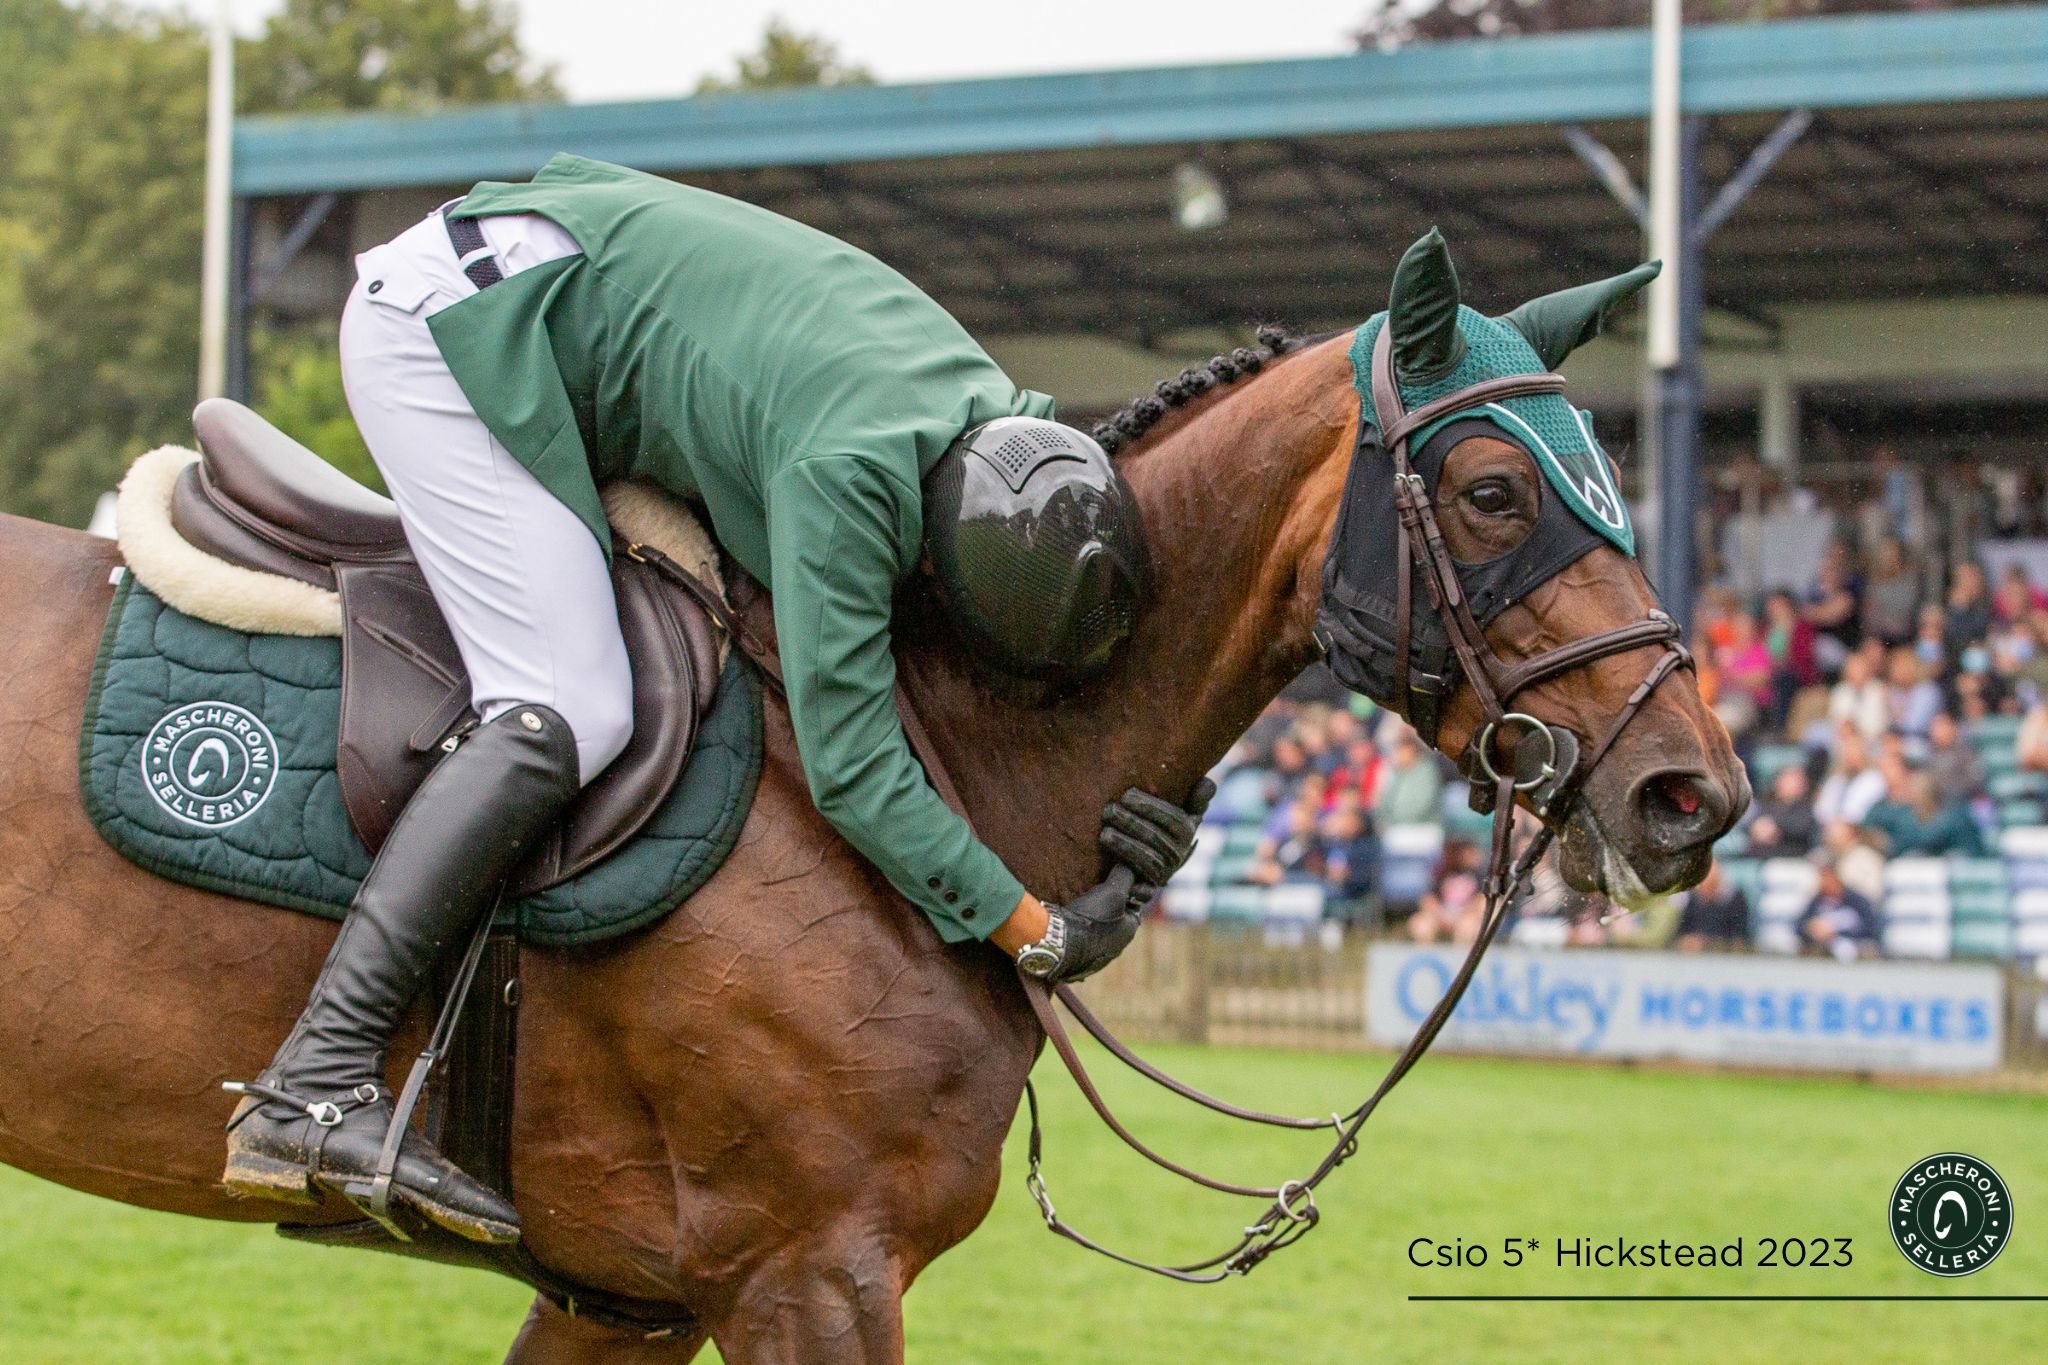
(209,763)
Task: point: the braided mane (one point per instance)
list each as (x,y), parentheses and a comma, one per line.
(1119,430)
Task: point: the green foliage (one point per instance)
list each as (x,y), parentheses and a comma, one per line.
(1395,23)
(107,196)
(102,151)
(299,388)
(788,59)
(388,54)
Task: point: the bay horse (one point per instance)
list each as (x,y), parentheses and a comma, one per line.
(779,1105)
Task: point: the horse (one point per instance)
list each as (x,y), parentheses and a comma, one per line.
(780,1104)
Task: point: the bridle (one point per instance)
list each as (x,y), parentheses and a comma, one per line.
(1550,776)
(1550,779)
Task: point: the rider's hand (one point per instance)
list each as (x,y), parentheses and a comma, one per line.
(1089,930)
(1151,837)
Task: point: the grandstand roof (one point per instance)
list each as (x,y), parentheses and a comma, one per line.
(1041,204)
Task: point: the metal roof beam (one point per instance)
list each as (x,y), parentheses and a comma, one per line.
(1856,61)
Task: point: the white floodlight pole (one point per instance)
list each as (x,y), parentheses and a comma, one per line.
(1666,24)
(214,262)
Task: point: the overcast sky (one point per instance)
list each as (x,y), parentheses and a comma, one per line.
(635,49)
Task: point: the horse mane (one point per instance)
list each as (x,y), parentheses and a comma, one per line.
(1129,424)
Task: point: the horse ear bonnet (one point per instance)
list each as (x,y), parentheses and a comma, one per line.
(1558,324)
(1439,346)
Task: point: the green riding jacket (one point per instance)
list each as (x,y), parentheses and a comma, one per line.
(799,390)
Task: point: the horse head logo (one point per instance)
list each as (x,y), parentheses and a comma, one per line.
(1941,1229)
(211,747)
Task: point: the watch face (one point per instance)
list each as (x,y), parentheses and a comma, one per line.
(1037,960)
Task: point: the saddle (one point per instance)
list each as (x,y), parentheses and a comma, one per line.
(260,500)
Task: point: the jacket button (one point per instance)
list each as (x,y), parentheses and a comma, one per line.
(375,285)
(932,882)
(530,721)
(952,897)
(968,913)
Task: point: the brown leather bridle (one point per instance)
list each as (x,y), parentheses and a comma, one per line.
(1551,791)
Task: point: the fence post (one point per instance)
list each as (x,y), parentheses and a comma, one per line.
(1194,1011)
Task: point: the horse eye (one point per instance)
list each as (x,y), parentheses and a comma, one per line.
(1491,497)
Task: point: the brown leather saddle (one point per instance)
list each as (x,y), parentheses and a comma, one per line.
(259,499)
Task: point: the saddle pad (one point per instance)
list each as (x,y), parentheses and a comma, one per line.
(207,756)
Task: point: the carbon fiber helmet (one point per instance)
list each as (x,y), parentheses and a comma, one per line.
(1037,545)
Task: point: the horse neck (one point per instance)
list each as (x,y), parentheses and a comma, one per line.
(1238,498)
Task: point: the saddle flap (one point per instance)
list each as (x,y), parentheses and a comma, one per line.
(404,693)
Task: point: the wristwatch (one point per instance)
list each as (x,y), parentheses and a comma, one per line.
(1043,958)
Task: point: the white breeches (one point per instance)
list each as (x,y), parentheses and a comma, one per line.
(525,589)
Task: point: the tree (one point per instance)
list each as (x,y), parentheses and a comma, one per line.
(102,144)
(388,54)
(788,59)
(107,193)
(1396,23)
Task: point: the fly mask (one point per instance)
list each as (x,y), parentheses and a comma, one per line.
(1431,373)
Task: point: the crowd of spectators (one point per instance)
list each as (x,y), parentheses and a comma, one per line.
(1876,671)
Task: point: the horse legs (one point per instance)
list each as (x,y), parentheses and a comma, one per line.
(552,1337)
(822,1303)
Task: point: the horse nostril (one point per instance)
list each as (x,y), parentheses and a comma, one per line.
(1679,809)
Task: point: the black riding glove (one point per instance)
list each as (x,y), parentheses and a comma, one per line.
(1086,933)
(1152,837)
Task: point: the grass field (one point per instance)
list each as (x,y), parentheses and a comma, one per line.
(1478,1149)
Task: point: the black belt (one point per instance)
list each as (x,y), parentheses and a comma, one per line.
(468,239)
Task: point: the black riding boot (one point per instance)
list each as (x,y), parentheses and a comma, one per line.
(316,1119)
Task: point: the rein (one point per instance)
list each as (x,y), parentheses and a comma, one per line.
(1292,1212)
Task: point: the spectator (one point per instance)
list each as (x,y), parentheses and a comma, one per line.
(1861,865)
(1351,859)
(1952,763)
(1412,784)
(1831,606)
(2033,739)
(1838,921)
(1295,855)
(1290,766)
(2016,598)
(1357,778)
(1452,908)
(1931,644)
(1784,826)
(1744,664)
(1854,786)
(1968,610)
(1891,601)
(1716,915)
(1912,699)
(1914,824)
(1859,699)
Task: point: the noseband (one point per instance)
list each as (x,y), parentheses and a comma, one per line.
(1545,770)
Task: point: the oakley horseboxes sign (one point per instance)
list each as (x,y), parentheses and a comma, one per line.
(1735,1010)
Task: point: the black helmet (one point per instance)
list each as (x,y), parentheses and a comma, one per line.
(1037,546)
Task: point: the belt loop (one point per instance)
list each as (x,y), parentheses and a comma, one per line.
(468,240)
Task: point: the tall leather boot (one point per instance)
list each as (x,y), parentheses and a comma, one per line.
(316,1118)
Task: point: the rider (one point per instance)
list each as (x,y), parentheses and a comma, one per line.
(528,343)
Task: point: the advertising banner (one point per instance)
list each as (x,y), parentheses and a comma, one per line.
(1752,1011)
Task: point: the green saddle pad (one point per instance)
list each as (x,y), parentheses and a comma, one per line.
(207,756)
